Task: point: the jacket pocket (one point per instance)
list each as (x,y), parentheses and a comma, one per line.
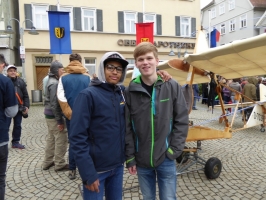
(136,137)
(170,130)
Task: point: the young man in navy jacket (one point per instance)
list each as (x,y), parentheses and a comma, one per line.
(97,130)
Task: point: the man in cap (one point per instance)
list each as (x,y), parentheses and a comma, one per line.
(70,84)
(97,130)
(56,140)
(24,104)
(8,109)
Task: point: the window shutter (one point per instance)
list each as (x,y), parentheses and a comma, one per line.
(159,24)
(52,8)
(177,25)
(99,14)
(28,15)
(77,18)
(140,17)
(193,27)
(121,22)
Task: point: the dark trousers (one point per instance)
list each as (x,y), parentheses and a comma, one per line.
(16,133)
(3,164)
(71,160)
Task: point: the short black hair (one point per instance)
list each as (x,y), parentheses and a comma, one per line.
(3,60)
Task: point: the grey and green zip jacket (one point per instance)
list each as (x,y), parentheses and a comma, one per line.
(157,125)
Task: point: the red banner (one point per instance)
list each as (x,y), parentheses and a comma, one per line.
(144,32)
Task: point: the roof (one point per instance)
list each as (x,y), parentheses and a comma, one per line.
(258,3)
(209,4)
(262,20)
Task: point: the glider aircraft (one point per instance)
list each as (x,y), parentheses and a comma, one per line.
(241,58)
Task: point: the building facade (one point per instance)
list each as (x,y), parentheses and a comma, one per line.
(235,19)
(101,26)
(9,43)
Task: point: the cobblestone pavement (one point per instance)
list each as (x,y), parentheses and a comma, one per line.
(243,173)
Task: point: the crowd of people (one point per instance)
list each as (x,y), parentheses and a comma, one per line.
(248,86)
(106,125)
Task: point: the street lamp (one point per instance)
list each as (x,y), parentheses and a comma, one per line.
(172,53)
(33,31)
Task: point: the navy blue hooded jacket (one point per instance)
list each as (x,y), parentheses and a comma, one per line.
(97,129)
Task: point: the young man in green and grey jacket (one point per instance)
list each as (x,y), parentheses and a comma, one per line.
(157,126)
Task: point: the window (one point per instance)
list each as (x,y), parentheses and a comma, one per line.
(232,25)
(131,63)
(185,26)
(213,13)
(90,64)
(40,16)
(70,10)
(231,4)
(221,9)
(89,19)
(222,29)
(150,18)
(243,21)
(130,20)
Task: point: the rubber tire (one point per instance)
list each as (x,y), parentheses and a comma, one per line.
(213,168)
(262,129)
(179,158)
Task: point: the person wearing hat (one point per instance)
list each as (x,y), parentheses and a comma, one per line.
(56,140)
(97,130)
(70,84)
(24,104)
(8,109)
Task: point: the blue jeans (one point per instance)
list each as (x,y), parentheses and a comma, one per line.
(16,133)
(111,183)
(71,159)
(3,164)
(166,177)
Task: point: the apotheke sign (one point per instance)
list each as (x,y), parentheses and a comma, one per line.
(183,45)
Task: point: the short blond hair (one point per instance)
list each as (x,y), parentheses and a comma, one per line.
(143,48)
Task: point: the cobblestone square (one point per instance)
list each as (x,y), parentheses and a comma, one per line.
(242,177)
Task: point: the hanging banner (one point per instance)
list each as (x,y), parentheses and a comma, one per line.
(144,32)
(59,28)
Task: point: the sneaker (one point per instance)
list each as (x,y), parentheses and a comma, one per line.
(49,166)
(72,174)
(65,168)
(17,145)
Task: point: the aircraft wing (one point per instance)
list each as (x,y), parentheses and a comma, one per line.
(238,59)
(179,72)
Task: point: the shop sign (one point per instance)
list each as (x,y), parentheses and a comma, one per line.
(165,44)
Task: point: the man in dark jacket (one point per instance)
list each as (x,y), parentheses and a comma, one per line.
(157,126)
(97,130)
(70,84)
(24,104)
(8,109)
(249,91)
(56,140)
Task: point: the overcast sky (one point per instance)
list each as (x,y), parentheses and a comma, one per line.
(204,3)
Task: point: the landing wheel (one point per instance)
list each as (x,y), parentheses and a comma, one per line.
(182,157)
(213,168)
